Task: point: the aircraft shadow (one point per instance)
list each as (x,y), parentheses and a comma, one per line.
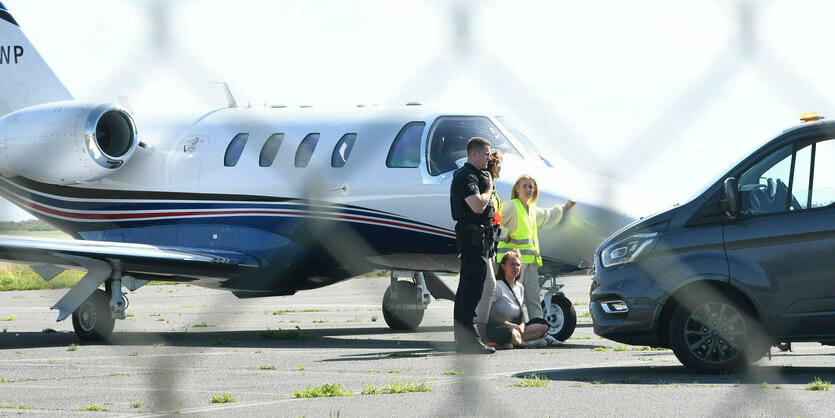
(671,375)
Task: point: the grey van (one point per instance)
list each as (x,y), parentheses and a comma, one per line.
(747,263)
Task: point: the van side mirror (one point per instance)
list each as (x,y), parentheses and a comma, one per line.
(730,195)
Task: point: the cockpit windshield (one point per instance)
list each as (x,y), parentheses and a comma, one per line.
(528,145)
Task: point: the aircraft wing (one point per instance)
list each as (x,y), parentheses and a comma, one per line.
(142,261)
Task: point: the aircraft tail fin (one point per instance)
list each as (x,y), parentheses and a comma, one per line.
(25,78)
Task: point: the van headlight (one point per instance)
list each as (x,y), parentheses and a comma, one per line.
(627,250)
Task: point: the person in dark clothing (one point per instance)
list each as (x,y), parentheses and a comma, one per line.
(472,209)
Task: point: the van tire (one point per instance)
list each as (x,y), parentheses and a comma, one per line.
(712,332)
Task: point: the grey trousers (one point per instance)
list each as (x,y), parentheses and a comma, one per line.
(482,310)
(530,280)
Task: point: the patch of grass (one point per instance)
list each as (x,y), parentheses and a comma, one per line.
(134,354)
(72,347)
(136,405)
(93,407)
(8,318)
(120,374)
(269,367)
(225,398)
(326,390)
(764,385)
(130,314)
(601,348)
(301,367)
(452,373)
(648,348)
(373,318)
(620,348)
(4,380)
(314,310)
(7,406)
(585,315)
(818,384)
(160,319)
(280,312)
(397,387)
(632,379)
(736,384)
(320,321)
(48,330)
(532,381)
(221,341)
(20,277)
(202,325)
(293,334)
(397,354)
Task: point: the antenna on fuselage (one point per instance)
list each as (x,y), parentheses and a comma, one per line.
(230,100)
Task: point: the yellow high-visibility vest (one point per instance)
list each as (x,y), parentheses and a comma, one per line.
(524,237)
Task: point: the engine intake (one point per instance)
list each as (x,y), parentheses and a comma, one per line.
(66,142)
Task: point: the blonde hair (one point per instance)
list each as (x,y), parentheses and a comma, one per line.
(515,194)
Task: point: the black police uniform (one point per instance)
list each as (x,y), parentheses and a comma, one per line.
(474,235)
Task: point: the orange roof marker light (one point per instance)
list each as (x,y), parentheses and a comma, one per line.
(810,117)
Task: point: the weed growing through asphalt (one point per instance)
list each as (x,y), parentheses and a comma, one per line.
(396,386)
(7,406)
(221,341)
(326,390)
(764,385)
(452,373)
(632,379)
(136,405)
(532,381)
(293,334)
(225,398)
(620,348)
(202,325)
(601,348)
(48,330)
(134,354)
(301,367)
(268,367)
(373,318)
(93,407)
(72,347)
(8,318)
(818,384)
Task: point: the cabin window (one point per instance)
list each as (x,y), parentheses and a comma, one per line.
(449,141)
(234,150)
(405,150)
(306,148)
(270,150)
(342,150)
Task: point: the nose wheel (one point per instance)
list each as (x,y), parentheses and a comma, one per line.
(560,315)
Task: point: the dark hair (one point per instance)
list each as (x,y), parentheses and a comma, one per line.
(500,273)
(493,163)
(476,141)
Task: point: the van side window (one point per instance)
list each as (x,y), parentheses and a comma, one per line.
(305,150)
(800,178)
(823,179)
(234,150)
(766,184)
(449,141)
(342,150)
(270,149)
(405,150)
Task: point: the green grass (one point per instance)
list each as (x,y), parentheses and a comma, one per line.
(293,334)
(396,386)
(532,381)
(326,390)
(632,380)
(373,318)
(136,405)
(8,318)
(452,373)
(225,398)
(269,367)
(601,348)
(20,277)
(7,406)
(72,347)
(202,325)
(818,384)
(93,407)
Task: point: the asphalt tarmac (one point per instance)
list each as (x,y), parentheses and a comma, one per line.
(182,346)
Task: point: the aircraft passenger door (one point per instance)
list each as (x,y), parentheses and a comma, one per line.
(783,250)
(184,163)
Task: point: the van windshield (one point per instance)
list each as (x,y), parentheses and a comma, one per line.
(723,173)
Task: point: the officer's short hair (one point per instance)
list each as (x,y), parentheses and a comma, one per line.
(476,141)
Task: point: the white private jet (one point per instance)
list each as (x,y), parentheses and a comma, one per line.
(259,201)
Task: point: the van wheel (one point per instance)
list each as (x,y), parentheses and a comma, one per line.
(560,316)
(715,335)
(397,318)
(92,320)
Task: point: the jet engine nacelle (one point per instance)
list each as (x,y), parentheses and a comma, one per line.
(66,142)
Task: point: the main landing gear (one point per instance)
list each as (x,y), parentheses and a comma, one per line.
(406,300)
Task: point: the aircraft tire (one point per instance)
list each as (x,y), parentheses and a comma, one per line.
(401,319)
(92,320)
(563,318)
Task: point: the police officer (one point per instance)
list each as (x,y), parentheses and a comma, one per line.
(472,210)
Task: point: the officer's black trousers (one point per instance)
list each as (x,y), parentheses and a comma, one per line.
(470,286)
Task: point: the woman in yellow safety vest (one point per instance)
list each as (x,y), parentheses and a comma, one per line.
(482,310)
(520,221)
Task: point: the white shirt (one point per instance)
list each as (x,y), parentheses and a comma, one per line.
(506,305)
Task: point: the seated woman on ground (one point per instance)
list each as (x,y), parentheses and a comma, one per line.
(507,326)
